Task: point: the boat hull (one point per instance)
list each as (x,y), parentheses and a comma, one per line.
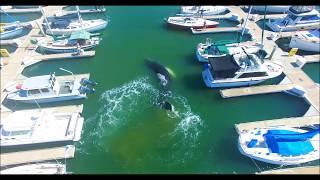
(42,168)
(298,27)
(48,99)
(11,34)
(304,45)
(271,9)
(179,26)
(60,32)
(65,50)
(209,83)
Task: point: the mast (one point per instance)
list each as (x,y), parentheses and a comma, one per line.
(46,20)
(245,23)
(264,19)
(79,16)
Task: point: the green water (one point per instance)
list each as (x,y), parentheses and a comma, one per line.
(126,132)
(313,71)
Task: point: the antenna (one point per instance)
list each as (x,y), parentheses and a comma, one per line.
(68,72)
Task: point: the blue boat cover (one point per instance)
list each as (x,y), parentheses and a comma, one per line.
(289,143)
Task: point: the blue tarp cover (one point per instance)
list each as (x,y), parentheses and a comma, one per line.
(289,143)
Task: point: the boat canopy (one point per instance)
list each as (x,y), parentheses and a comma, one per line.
(38,82)
(289,143)
(301,9)
(82,34)
(224,66)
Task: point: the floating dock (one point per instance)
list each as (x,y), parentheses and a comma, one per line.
(37,155)
(216,30)
(297,170)
(285,122)
(39,58)
(254,90)
(21,11)
(88,11)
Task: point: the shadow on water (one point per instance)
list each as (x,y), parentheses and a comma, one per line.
(192,60)
(15,106)
(283,43)
(194,82)
(260,24)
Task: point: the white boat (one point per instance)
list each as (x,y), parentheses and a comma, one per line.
(298,18)
(5,7)
(17,9)
(77,40)
(208,50)
(236,70)
(39,168)
(12,30)
(282,146)
(47,89)
(271,9)
(202,10)
(306,40)
(38,127)
(65,27)
(191,22)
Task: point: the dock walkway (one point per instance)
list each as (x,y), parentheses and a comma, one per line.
(30,156)
(287,122)
(246,91)
(296,170)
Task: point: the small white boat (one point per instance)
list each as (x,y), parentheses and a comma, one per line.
(208,50)
(236,70)
(282,146)
(271,9)
(47,89)
(34,127)
(5,7)
(39,168)
(298,18)
(77,40)
(191,22)
(306,40)
(202,10)
(18,9)
(66,27)
(12,30)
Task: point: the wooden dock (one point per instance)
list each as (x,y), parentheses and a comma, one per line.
(286,122)
(21,11)
(296,170)
(37,155)
(8,42)
(254,90)
(216,30)
(88,11)
(39,58)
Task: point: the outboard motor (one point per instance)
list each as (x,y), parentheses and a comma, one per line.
(84,89)
(85,81)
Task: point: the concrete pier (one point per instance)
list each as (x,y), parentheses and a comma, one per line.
(30,156)
(216,30)
(296,170)
(284,122)
(246,91)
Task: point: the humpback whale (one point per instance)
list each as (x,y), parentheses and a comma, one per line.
(164,76)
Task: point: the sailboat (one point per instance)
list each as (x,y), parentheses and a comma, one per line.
(66,26)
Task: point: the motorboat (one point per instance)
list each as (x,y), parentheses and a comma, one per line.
(210,49)
(191,22)
(40,127)
(306,40)
(67,27)
(77,40)
(271,9)
(38,168)
(202,10)
(280,145)
(298,18)
(242,69)
(12,30)
(47,89)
